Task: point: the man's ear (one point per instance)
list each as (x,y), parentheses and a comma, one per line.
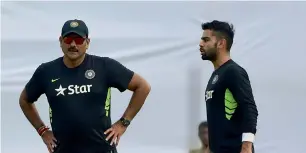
(87,43)
(221,43)
(60,39)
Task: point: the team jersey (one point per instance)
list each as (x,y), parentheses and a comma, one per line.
(231,109)
(79,99)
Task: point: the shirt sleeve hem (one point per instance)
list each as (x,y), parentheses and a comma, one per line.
(249,137)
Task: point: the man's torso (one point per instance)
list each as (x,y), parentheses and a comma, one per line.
(222,112)
(79,100)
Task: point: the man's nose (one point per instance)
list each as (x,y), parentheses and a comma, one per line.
(201,44)
(73,43)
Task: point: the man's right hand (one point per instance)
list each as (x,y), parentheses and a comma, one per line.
(49,140)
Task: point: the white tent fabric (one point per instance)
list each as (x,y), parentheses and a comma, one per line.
(159,40)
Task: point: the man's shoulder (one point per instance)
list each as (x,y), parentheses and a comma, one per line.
(234,67)
(106,61)
(234,71)
(96,57)
(102,59)
(50,64)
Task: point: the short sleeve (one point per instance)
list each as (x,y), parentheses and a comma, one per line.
(34,88)
(118,76)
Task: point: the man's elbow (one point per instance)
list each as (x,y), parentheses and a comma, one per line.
(253,109)
(23,102)
(144,86)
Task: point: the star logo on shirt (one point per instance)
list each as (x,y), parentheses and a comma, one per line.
(60,90)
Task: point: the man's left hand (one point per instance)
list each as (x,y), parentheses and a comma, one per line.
(115,132)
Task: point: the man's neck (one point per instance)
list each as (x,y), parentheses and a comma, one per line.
(204,146)
(220,61)
(73,63)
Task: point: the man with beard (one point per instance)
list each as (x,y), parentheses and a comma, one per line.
(78,88)
(231,109)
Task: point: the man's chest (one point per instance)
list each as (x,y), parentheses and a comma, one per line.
(215,88)
(64,85)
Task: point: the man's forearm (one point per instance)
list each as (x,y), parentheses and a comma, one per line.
(31,114)
(138,98)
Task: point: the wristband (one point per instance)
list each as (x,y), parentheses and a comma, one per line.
(42,133)
(42,130)
(249,137)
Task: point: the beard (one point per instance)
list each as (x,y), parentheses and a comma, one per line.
(210,54)
(205,57)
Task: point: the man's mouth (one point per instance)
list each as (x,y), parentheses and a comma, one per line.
(202,51)
(72,50)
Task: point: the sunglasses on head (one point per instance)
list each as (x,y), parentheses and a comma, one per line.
(77,40)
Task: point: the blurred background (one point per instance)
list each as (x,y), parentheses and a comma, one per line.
(159,40)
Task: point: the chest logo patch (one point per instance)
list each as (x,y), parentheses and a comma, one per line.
(90,74)
(215,79)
